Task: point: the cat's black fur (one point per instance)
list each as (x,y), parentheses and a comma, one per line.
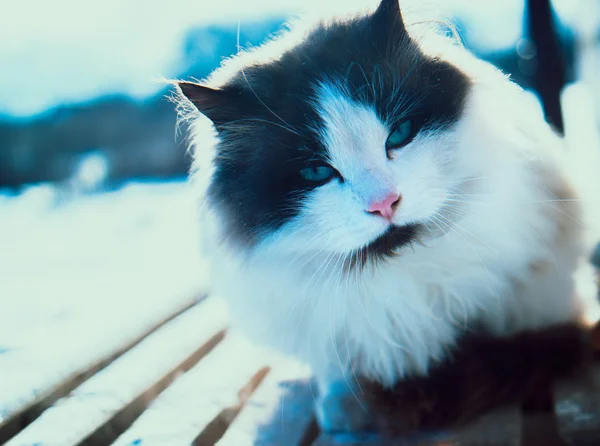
(385,246)
(483,373)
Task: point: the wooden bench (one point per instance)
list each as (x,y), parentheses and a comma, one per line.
(187,381)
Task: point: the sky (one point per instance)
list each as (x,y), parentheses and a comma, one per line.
(64,51)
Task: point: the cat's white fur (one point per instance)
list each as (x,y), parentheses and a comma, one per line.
(506,253)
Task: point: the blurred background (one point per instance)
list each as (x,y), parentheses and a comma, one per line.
(81,98)
(97,231)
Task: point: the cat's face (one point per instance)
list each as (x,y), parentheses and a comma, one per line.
(342,144)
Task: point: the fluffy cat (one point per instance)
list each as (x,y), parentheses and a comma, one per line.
(374,200)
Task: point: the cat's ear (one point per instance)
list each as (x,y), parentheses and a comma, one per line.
(217,105)
(388,18)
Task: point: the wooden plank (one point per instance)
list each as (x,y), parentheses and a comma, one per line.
(128,385)
(500,428)
(81,255)
(541,430)
(578,410)
(280,412)
(23,418)
(374,439)
(199,406)
(576,422)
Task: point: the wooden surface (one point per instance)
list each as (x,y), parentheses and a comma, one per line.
(280,412)
(87,278)
(134,379)
(190,383)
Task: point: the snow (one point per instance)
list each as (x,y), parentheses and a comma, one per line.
(82,275)
(96,401)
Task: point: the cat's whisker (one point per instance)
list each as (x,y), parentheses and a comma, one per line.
(377,73)
(454,212)
(566,214)
(332,255)
(321,270)
(466,193)
(511,202)
(467,179)
(243,72)
(345,325)
(541,239)
(235,124)
(365,294)
(488,272)
(558,200)
(445,233)
(332,326)
(368,85)
(334,305)
(463,307)
(457,200)
(307,296)
(309,246)
(375,327)
(451,295)
(316,254)
(286,125)
(401,109)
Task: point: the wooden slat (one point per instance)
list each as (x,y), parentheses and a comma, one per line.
(541,430)
(21,419)
(373,439)
(578,410)
(280,412)
(199,406)
(500,428)
(127,384)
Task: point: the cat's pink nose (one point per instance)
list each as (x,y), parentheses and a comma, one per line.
(385,208)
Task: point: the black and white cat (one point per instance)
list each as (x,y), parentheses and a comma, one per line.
(372,194)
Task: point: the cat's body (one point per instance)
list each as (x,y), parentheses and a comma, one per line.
(485,229)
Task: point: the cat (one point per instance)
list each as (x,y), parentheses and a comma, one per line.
(376,202)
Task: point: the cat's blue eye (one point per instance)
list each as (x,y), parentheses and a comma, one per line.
(401,135)
(320,173)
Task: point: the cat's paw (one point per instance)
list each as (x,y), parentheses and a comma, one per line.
(340,409)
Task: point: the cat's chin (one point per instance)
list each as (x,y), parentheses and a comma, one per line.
(388,245)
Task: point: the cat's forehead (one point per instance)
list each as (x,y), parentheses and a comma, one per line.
(354,52)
